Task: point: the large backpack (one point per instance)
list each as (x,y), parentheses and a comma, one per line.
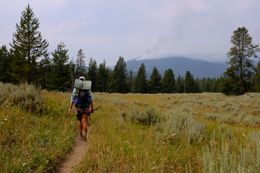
(84,99)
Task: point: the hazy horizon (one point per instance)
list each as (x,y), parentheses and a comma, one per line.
(107,29)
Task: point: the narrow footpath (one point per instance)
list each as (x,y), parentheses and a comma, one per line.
(74,157)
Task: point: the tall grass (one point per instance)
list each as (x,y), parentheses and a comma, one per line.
(26,96)
(194,133)
(242,157)
(29,142)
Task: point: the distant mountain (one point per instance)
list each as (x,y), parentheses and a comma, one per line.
(198,68)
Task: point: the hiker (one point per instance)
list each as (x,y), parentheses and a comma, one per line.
(82,101)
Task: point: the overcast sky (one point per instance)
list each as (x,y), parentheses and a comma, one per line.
(107,29)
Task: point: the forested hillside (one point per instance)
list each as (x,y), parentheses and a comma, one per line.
(28,60)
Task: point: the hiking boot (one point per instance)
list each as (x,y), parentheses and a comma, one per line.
(84,136)
(81,135)
(89,119)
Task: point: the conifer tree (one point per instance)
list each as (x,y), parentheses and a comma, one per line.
(60,69)
(257,78)
(241,68)
(155,81)
(102,77)
(180,84)
(5,65)
(140,84)
(168,81)
(189,83)
(81,69)
(72,67)
(119,83)
(92,73)
(45,71)
(110,81)
(27,47)
(130,81)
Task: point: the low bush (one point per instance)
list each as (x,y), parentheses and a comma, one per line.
(28,142)
(26,96)
(149,116)
(183,127)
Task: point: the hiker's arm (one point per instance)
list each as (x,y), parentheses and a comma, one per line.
(92,106)
(70,107)
(91,103)
(73,94)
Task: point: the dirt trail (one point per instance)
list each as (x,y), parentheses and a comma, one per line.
(75,157)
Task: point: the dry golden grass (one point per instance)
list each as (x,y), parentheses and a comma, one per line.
(194,133)
(35,132)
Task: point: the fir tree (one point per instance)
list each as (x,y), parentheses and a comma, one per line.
(155,81)
(80,64)
(189,83)
(241,68)
(27,47)
(180,85)
(45,71)
(72,67)
(5,65)
(92,73)
(119,83)
(102,77)
(168,81)
(130,81)
(140,84)
(257,78)
(60,69)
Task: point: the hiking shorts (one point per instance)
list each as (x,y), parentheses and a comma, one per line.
(81,111)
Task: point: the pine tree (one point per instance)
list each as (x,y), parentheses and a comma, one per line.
(92,73)
(155,81)
(257,78)
(81,69)
(60,69)
(241,68)
(27,47)
(189,83)
(45,71)
(140,84)
(168,81)
(110,81)
(130,81)
(180,84)
(102,77)
(119,83)
(72,67)
(5,66)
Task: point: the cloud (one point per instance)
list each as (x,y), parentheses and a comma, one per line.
(133,28)
(204,27)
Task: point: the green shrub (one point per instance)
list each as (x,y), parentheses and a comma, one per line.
(26,96)
(30,143)
(147,117)
(184,127)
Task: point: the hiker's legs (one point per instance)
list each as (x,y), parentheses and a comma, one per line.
(79,121)
(79,125)
(84,122)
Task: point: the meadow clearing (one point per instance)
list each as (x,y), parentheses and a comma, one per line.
(204,132)
(35,131)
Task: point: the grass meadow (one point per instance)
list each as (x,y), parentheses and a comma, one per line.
(206,132)
(35,133)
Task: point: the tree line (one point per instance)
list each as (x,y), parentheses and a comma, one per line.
(28,60)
